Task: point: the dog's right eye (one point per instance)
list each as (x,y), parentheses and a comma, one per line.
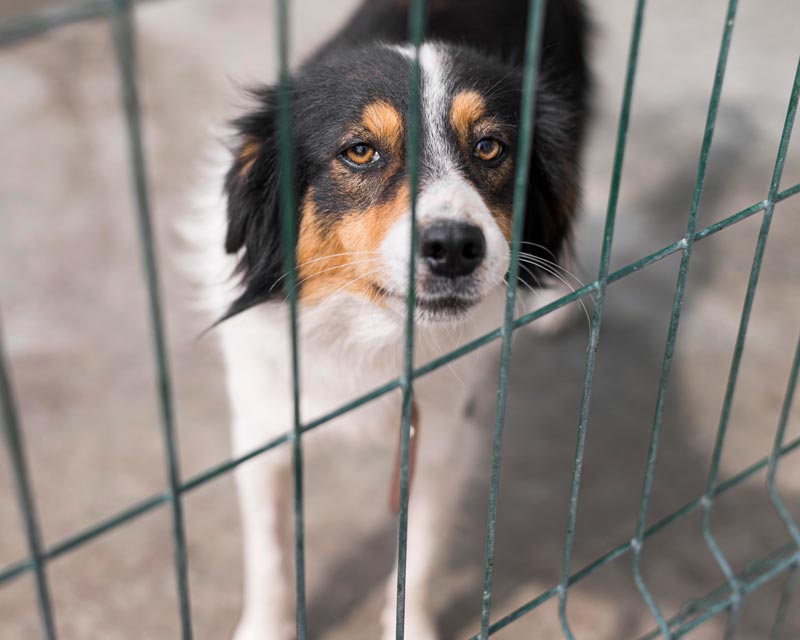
(361,154)
(489,150)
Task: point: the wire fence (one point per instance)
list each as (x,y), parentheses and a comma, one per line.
(725,599)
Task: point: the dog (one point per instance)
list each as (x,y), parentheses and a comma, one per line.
(349,122)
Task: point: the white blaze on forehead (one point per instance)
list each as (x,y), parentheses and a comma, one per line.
(435,106)
(445,194)
(436,94)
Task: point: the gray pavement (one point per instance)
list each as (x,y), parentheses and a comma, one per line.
(74,325)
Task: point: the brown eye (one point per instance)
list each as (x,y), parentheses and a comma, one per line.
(361,154)
(488,149)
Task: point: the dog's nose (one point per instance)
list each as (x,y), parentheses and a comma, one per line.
(452,249)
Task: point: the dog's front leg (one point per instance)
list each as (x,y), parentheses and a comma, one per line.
(261,409)
(263,489)
(262,486)
(447,440)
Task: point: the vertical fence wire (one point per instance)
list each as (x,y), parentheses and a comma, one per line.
(123,38)
(774,457)
(602,279)
(791,385)
(785,603)
(536,14)
(688,244)
(16,453)
(739,348)
(416,31)
(288,233)
(793,579)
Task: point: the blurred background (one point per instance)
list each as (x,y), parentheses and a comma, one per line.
(75,331)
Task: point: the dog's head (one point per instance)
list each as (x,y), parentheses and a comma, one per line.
(349,128)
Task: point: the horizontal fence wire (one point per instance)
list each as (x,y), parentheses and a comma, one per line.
(288,233)
(16,453)
(123,39)
(523,162)
(725,598)
(755,575)
(785,604)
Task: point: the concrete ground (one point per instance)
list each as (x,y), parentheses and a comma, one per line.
(74,325)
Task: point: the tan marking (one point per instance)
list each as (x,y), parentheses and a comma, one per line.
(467,109)
(247,156)
(502,215)
(384,122)
(358,234)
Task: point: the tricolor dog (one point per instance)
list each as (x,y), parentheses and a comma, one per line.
(349,130)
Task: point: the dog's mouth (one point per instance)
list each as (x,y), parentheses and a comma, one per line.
(431,308)
(445,308)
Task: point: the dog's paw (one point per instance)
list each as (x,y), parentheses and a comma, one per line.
(554,322)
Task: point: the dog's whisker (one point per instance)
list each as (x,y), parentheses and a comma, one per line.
(341,266)
(368,274)
(449,365)
(297,267)
(346,284)
(566,284)
(555,265)
(335,255)
(539,246)
(460,335)
(548,267)
(533,291)
(471,318)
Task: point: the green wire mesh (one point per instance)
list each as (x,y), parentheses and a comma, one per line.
(288,231)
(725,598)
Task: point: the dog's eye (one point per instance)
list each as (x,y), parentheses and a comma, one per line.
(361,154)
(488,149)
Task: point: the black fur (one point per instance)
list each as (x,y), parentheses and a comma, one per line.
(352,70)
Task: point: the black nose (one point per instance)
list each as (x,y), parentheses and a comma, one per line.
(452,249)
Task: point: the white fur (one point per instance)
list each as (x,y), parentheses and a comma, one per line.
(435,108)
(435,102)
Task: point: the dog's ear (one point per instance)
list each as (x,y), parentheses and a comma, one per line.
(553,191)
(251,187)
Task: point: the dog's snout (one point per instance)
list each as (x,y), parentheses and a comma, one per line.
(452,249)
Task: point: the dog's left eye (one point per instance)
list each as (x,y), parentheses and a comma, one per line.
(361,154)
(488,149)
